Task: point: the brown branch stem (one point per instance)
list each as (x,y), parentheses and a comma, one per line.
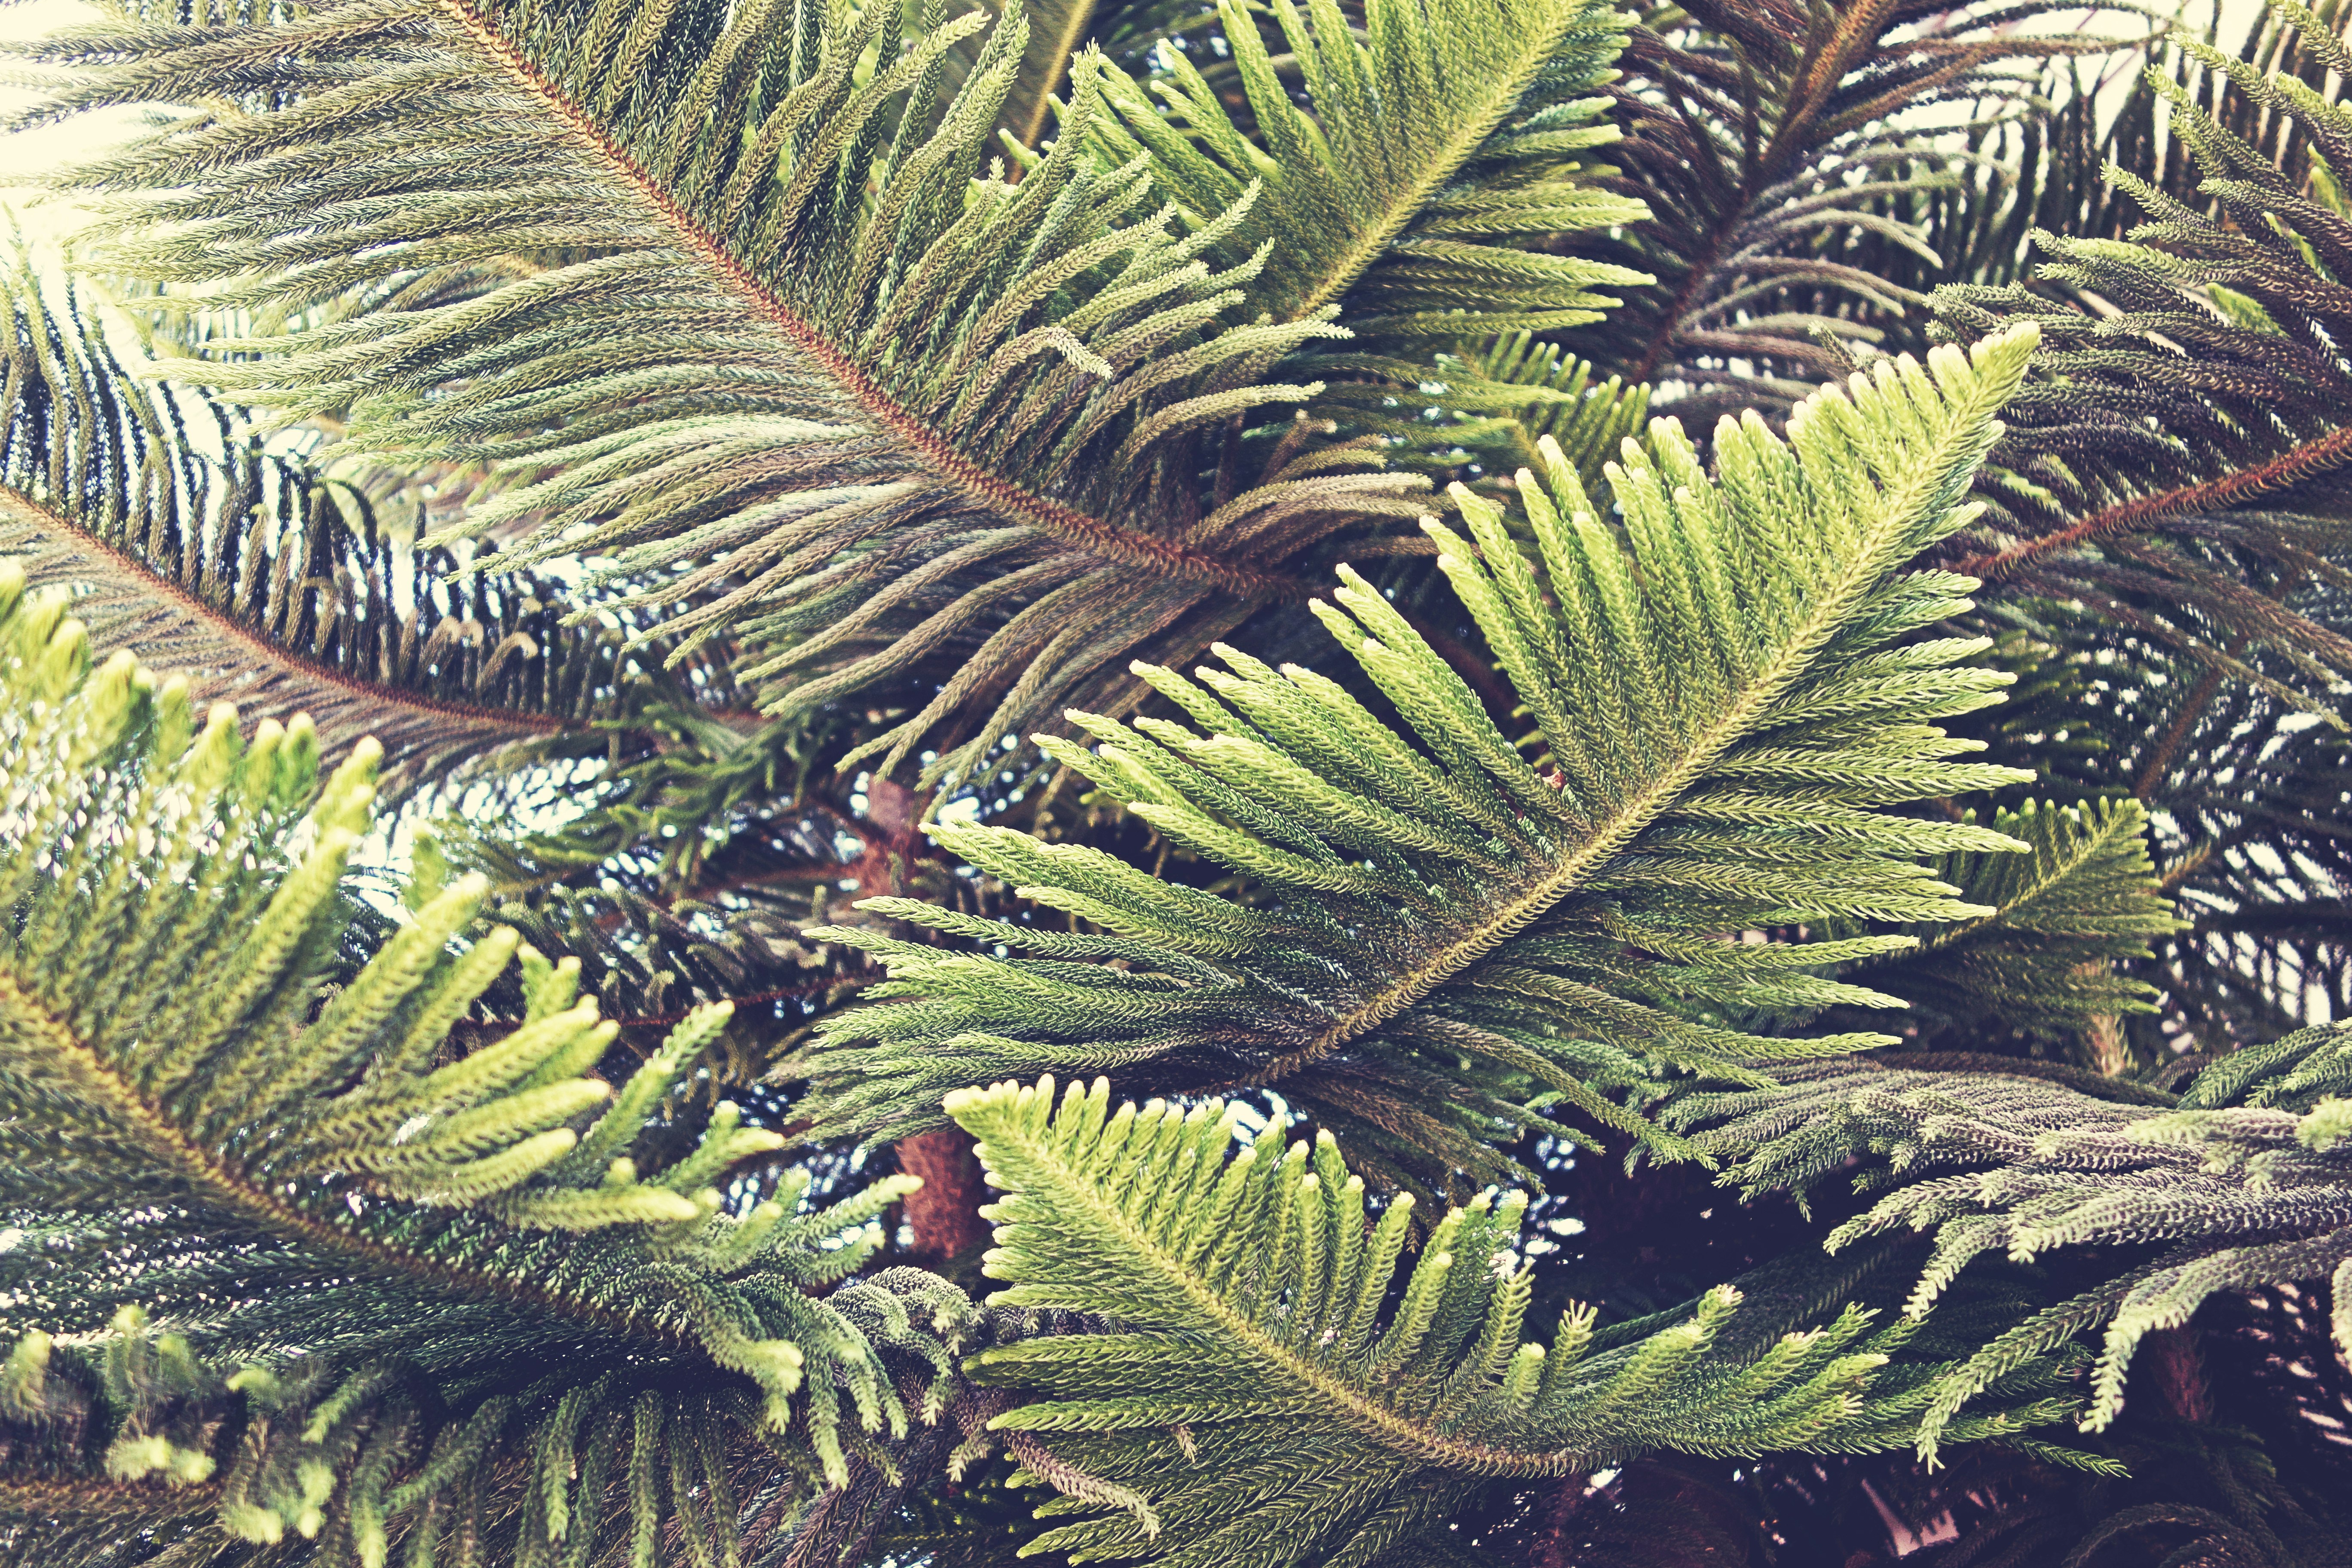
(2288,468)
(2191,709)
(261,649)
(1070,526)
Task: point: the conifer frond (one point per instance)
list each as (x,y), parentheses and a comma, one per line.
(2062,917)
(2166,465)
(1273,1386)
(395,1271)
(1500,397)
(779,359)
(2244,800)
(2247,1183)
(1438,135)
(1417,195)
(1457,931)
(1777,145)
(244,570)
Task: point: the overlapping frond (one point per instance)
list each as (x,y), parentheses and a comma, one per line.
(243,569)
(2245,799)
(781,354)
(2247,1183)
(386,1279)
(1499,397)
(1273,1385)
(1413,193)
(1459,932)
(2169,463)
(1438,139)
(1783,148)
(2062,917)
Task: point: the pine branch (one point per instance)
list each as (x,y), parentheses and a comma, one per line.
(438,1259)
(1255,1314)
(1463,941)
(2161,462)
(1391,164)
(2062,918)
(1793,185)
(2244,798)
(2143,513)
(987,489)
(897,366)
(2245,1185)
(191,637)
(1417,198)
(248,574)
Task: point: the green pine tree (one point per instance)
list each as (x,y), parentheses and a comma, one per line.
(1380,783)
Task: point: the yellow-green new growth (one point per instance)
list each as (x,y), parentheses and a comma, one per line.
(1246,1290)
(1719,725)
(438,1249)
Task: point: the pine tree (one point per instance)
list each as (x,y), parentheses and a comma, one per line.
(1361,785)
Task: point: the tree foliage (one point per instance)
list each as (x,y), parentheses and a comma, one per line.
(1717,722)
(1759,984)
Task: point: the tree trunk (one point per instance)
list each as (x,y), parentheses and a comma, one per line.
(947,1228)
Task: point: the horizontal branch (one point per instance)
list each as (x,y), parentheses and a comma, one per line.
(2289,467)
(1066,523)
(241,660)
